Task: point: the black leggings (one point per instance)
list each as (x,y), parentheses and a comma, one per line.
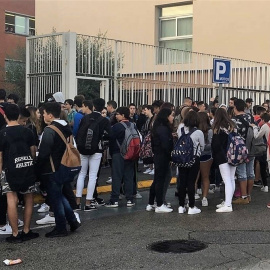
(162,167)
(186,182)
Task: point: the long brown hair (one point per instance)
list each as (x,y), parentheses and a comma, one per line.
(204,124)
(222,120)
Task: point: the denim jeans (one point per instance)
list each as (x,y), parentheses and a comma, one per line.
(92,162)
(245,171)
(122,169)
(61,207)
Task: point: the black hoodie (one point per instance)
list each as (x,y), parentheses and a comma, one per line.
(52,145)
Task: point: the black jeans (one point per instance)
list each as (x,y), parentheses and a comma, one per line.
(122,169)
(263,164)
(3,209)
(186,182)
(162,168)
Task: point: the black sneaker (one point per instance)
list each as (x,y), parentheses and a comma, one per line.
(74,226)
(14,239)
(28,236)
(90,207)
(258,183)
(111,204)
(100,201)
(56,233)
(78,207)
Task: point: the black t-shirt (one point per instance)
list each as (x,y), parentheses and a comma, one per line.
(14,132)
(2,119)
(242,123)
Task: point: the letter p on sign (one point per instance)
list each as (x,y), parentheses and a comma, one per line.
(221,71)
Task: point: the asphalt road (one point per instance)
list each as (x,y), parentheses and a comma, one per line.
(120,239)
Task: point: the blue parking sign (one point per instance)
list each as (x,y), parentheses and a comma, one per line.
(221,71)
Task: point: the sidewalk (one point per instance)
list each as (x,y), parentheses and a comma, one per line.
(120,238)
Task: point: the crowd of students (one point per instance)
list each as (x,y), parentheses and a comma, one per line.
(98,130)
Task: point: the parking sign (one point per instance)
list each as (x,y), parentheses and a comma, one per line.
(221,71)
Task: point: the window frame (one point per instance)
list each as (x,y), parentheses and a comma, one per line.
(29,30)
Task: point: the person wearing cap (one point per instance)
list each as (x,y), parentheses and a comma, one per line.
(248,105)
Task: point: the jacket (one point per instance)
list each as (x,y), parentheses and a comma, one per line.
(52,145)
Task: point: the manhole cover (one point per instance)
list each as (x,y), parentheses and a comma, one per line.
(177,246)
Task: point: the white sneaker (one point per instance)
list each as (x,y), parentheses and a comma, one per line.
(152,172)
(20,223)
(197,196)
(163,209)
(181,210)
(109,181)
(199,191)
(204,201)
(194,210)
(46,220)
(43,208)
(221,204)
(138,195)
(147,171)
(77,217)
(264,189)
(211,191)
(6,229)
(224,209)
(150,207)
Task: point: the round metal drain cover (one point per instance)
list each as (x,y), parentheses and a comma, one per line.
(177,246)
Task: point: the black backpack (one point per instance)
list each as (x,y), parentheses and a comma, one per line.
(88,136)
(20,172)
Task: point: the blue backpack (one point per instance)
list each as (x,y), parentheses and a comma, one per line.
(183,152)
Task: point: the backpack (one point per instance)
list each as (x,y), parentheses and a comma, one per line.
(183,152)
(237,152)
(146,153)
(256,147)
(70,162)
(20,171)
(130,147)
(88,136)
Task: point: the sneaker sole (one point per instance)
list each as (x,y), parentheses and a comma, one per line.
(89,210)
(43,211)
(130,205)
(45,223)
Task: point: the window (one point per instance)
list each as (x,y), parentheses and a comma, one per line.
(19,24)
(175,32)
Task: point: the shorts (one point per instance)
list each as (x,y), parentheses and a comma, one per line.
(205,158)
(245,171)
(6,189)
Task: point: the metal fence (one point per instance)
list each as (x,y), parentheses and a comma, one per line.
(135,72)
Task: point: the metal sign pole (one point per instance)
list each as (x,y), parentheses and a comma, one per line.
(220,93)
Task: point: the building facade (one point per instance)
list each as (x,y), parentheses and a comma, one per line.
(17,21)
(232,28)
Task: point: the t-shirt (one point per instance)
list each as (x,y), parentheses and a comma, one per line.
(14,132)
(242,123)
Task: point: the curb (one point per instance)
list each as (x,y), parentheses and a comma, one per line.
(108,188)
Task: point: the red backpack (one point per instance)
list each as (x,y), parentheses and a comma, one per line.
(131,145)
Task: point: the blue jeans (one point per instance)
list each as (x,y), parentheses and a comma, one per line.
(61,207)
(245,171)
(122,170)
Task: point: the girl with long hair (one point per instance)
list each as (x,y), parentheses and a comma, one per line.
(221,127)
(206,159)
(162,145)
(187,176)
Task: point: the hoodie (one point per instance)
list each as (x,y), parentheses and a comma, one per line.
(51,144)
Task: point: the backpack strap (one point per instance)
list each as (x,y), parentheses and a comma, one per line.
(2,111)
(60,133)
